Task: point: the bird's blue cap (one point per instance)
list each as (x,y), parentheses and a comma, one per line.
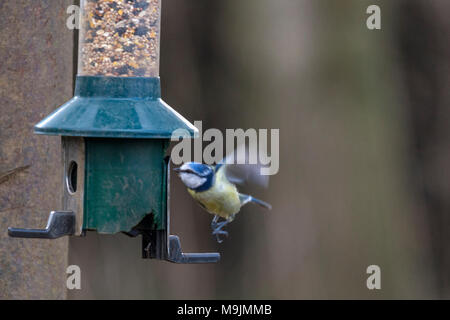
(200,169)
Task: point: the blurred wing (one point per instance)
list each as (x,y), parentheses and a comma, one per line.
(240,170)
(246,174)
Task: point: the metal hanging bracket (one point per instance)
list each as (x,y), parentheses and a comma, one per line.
(176,255)
(60,223)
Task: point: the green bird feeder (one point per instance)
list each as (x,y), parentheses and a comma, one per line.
(115,132)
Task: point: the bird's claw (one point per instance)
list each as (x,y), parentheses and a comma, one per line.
(219,232)
(217,228)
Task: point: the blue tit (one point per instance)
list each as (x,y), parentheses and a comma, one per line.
(215,193)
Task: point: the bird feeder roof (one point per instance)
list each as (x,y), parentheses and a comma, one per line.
(116,107)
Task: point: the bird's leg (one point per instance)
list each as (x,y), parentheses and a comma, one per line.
(217,227)
(214,222)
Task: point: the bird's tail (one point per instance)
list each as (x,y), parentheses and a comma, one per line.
(246,199)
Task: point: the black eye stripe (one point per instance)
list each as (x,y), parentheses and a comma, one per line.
(188,170)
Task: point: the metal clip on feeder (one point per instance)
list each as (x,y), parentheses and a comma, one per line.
(115,132)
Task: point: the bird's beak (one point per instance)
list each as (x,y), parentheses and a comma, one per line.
(177,169)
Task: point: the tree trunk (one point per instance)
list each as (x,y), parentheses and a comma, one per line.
(36,76)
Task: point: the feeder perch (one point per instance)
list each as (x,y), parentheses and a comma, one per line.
(115,132)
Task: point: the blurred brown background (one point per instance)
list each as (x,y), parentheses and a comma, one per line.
(364,153)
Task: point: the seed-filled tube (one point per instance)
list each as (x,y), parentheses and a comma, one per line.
(119,38)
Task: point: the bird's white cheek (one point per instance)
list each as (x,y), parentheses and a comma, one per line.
(192,181)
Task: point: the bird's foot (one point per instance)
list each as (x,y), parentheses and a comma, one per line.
(217,228)
(214,222)
(218,233)
(216,225)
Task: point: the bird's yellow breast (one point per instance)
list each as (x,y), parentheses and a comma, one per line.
(221,199)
